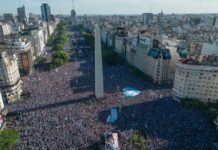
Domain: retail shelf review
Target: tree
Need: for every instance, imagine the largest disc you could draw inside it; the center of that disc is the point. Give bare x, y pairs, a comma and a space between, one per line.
109, 57
138, 140
8, 138
58, 47
40, 60
57, 62
62, 55
59, 58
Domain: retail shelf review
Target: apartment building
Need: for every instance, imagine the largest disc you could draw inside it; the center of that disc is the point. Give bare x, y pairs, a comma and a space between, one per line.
196, 82
10, 81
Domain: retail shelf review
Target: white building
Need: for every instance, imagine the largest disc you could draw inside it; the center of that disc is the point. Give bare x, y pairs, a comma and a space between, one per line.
10, 82
5, 29
196, 82
209, 49
36, 37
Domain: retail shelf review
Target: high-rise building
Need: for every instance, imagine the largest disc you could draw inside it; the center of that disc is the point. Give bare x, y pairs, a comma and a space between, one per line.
147, 18
10, 81
46, 12
73, 17
22, 15
9, 17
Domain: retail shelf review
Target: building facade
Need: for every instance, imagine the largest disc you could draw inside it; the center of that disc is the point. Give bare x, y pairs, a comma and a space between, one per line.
8, 17
24, 53
5, 29
46, 12
22, 15
147, 18
73, 17
10, 81
36, 36
158, 64
196, 82
154, 62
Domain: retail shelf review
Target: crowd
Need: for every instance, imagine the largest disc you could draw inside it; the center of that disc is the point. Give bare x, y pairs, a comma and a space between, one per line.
62, 112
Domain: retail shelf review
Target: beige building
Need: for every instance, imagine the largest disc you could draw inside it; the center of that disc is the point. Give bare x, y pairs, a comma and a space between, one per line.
10, 82
23, 50
158, 64
196, 82
154, 62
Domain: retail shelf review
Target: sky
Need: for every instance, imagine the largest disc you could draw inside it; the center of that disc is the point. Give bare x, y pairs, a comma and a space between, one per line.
113, 6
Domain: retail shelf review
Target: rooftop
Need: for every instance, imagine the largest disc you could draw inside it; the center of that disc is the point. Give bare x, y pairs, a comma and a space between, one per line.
159, 53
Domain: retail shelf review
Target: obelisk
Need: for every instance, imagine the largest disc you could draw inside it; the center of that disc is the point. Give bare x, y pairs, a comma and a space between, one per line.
1, 103
99, 85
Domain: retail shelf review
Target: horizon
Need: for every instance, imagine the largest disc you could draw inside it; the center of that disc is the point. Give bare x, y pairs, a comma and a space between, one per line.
124, 7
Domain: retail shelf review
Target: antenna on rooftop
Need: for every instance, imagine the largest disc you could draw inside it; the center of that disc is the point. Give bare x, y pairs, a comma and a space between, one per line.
73, 4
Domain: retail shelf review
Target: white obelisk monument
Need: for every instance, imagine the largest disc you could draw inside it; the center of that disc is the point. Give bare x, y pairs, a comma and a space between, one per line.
99, 85
1, 103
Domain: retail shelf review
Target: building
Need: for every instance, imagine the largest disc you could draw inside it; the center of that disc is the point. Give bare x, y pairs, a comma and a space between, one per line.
147, 18
46, 12
121, 41
36, 36
22, 15
137, 52
112, 141
145, 54
196, 82
5, 29
23, 51
158, 64
9, 18
10, 82
73, 17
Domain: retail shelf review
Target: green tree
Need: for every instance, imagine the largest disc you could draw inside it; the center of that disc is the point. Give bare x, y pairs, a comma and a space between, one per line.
62, 55
57, 62
8, 138
40, 59
109, 57
58, 47
138, 140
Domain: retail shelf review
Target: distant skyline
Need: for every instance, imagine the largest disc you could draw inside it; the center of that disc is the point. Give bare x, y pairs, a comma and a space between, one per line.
112, 6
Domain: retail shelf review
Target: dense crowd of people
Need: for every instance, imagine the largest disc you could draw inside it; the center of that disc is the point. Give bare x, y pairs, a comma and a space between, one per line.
62, 112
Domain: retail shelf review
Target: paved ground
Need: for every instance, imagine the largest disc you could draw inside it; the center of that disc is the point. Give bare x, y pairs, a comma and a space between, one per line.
63, 114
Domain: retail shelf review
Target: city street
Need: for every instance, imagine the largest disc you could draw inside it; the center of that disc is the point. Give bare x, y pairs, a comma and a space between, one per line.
62, 112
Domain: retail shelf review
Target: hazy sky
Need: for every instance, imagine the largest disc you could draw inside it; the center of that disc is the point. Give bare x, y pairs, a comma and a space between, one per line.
114, 6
